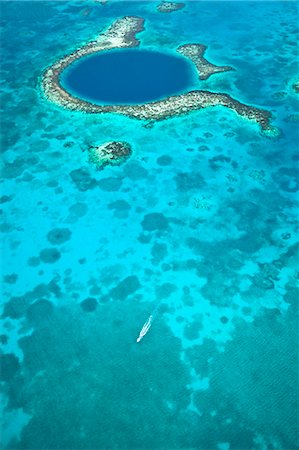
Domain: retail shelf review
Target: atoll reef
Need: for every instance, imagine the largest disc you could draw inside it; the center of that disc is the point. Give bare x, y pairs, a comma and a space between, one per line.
113, 153
121, 34
204, 68
110, 218
168, 7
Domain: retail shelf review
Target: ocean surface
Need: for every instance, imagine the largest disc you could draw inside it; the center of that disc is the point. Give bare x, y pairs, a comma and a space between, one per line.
199, 226
129, 76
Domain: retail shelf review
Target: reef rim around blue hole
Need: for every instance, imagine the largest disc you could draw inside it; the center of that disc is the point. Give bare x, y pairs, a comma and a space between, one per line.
131, 76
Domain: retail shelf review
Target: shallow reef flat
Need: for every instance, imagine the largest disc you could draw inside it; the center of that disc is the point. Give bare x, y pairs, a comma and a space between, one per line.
122, 34
195, 53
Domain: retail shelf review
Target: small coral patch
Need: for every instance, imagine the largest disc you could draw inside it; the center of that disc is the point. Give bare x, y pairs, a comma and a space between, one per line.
89, 304
59, 236
168, 7
113, 153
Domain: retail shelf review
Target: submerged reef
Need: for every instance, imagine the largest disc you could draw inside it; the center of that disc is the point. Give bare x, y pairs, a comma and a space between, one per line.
295, 86
121, 34
168, 7
113, 153
195, 53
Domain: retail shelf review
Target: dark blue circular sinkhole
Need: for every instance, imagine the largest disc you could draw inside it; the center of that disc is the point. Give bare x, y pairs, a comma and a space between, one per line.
127, 76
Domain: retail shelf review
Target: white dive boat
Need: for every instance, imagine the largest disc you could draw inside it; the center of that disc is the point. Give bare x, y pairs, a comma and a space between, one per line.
145, 328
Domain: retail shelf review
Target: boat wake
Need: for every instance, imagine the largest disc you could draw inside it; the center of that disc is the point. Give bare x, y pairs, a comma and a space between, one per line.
145, 328
147, 325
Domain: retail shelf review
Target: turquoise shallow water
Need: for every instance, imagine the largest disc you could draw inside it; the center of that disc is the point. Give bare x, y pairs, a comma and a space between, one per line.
200, 222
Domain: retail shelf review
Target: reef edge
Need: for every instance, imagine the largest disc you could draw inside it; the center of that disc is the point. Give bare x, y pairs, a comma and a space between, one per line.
122, 34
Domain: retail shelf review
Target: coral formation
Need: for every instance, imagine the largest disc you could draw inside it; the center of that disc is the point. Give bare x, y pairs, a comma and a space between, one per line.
295, 85
109, 153
10, 365
39, 312
82, 179
202, 203
154, 221
195, 53
168, 7
89, 304
125, 287
121, 34
110, 184
49, 255
59, 236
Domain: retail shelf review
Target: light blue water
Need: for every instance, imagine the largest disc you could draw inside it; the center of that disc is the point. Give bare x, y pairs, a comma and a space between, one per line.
202, 220
128, 77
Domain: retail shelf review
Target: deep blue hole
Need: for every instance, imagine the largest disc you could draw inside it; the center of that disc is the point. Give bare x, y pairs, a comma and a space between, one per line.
127, 76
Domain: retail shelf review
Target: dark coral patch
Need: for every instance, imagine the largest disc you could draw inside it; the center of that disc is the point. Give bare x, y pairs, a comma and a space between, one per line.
83, 180
180, 319
6, 227
195, 245
16, 307
165, 290
154, 221
262, 281
79, 209
159, 251
120, 205
5, 198
187, 181
11, 279
191, 330
49, 255
126, 287
58, 236
200, 356
224, 319
10, 365
33, 261
3, 339
39, 312
203, 148
287, 178
295, 86
164, 160
135, 171
12, 170
144, 238
89, 304
246, 310
110, 184
219, 161
121, 208
17, 167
